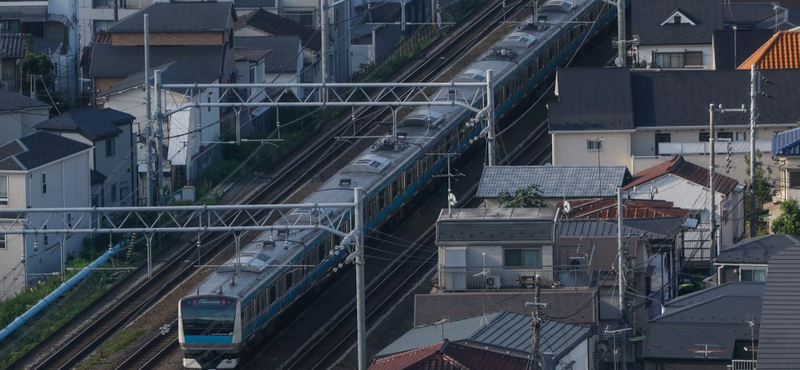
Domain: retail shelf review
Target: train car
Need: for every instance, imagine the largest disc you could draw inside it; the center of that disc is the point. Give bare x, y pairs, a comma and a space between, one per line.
234, 305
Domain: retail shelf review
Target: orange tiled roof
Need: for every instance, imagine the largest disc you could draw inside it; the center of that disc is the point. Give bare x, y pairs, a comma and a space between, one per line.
780, 52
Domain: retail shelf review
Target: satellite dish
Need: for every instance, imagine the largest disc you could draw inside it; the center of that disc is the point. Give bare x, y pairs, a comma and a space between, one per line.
567, 207
451, 198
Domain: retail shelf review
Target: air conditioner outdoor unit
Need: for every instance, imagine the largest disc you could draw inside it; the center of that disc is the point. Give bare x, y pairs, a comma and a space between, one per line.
577, 261
492, 282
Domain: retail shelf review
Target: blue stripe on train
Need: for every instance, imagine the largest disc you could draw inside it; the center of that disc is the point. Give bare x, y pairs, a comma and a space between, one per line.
226, 339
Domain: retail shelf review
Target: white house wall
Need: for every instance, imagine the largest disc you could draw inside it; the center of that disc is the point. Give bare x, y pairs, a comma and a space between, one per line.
578, 357
569, 149
14, 125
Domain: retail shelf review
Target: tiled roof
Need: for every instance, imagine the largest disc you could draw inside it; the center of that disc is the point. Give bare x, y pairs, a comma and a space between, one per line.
276, 25
92, 123
668, 98
684, 169
715, 316
178, 17
746, 43
178, 72
251, 54
781, 51
447, 355
554, 181
780, 325
632, 208
37, 149
11, 101
123, 61
757, 250
286, 51
12, 45
786, 142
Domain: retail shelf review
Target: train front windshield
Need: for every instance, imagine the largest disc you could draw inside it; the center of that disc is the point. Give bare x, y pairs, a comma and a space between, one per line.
208, 316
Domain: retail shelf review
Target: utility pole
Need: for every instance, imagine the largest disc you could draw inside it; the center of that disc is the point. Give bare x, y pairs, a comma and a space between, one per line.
754, 89
360, 291
490, 116
148, 108
323, 21
621, 274
621, 55
159, 141
536, 325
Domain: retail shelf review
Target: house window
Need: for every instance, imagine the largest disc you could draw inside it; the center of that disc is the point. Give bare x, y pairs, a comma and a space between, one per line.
114, 193
741, 136
678, 59
793, 179
704, 136
111, 148
662, 138
305, 18
527, 257
45, 237
753, 274
2, 241
725, 135
44, 183
102, 3
594, 145
3, 190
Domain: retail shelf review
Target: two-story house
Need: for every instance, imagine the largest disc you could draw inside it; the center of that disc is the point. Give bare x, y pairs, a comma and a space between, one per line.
748, 259
41, 170
685, 184
19, 114
638, 118
113, 154
679, 34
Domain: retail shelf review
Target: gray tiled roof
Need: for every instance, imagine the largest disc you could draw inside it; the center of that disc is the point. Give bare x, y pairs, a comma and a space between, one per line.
37, 149
503, 332
747, 42
179, 17
579, 105
757, 250
10, 101
123, 61
554, 181
12, 45
92, 123
671, 98
276, 25
286, 51
779, 341
719, 320
178, 72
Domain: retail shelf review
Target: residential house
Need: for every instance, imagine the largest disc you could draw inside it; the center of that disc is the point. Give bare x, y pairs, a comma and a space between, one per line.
99, 15
113, 155
778, 338
779, 52
262, 23
12, 53
41, 170
446, 355
638, 118
501, 251
747, 260
53, 21
686, 185
713, 329
556, 183
497, 333
19, 114
681, 33
192, 133
199, 50
786, 151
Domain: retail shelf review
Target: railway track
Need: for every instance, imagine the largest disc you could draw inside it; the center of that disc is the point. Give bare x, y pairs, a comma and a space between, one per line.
286, 181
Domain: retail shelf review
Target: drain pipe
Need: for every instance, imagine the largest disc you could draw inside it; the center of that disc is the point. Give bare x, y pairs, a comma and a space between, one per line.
65, 287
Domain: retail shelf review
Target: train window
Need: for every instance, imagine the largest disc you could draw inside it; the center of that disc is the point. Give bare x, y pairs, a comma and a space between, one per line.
273, 294
289, 280
395, 188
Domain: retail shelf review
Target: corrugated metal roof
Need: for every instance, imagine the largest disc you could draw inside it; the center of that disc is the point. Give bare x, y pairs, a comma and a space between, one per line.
554, 181
779, 339
37, 149
717, 317
781, 51
684, 169
632, 208
602, 228
506, 332
757, 250
786, 142
447, 355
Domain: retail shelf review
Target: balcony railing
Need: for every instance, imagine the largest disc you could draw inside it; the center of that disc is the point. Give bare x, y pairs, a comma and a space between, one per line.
721, 147
742, 365
504, 278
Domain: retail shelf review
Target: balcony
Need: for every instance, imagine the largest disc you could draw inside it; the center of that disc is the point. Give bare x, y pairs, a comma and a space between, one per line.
500, 278
742, 365
721, 147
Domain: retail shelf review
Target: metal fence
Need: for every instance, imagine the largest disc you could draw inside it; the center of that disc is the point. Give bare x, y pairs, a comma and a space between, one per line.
509, 278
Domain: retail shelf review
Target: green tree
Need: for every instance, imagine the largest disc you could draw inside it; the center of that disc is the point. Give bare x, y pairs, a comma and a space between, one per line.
523, 197
789, 220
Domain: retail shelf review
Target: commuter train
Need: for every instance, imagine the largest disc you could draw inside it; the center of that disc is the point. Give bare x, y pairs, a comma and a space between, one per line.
229, 309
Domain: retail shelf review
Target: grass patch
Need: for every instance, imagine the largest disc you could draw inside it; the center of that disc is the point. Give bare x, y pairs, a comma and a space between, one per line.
117, 343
